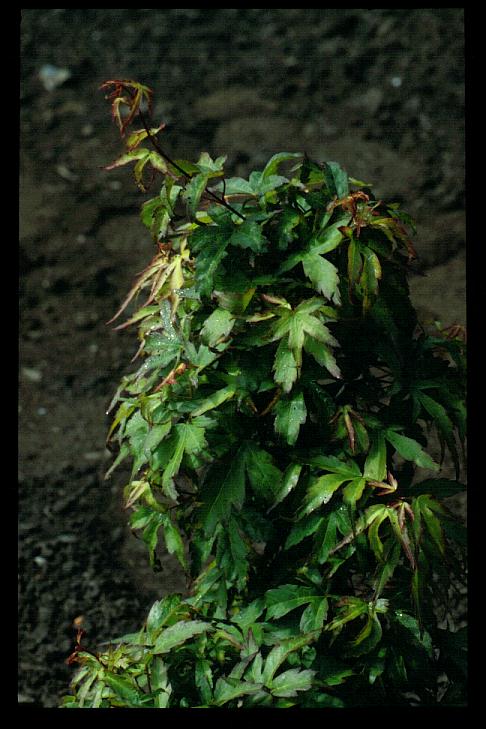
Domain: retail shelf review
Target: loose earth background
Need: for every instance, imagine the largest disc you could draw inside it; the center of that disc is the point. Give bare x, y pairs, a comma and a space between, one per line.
379, 91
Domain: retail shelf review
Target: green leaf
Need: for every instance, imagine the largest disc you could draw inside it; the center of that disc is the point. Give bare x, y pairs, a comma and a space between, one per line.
249, 614
328, 238
355, 263
235, 186
321, 491
235, 301
238, 550
325, 539
443, 423
316, 329
249, 235
173, 541
263, 475
291, 413
386, 569
410, 450
227, 689
412, 626
271, 168
373, 534
314, 615
224, 486
164, 611
324, 276
193, 192
210, 245
369, 278
214, 400
302, 529
150, 534
131, 156
210, 167
125, 689
189, 439
285, 598
124, 452
323, 356
336, 179
375, 464
353, 491
335, 465
288, 482
285, 366
155, 436
217, 326
287, 223
280, 653
434, 528
179, 633
292, 681
204, 679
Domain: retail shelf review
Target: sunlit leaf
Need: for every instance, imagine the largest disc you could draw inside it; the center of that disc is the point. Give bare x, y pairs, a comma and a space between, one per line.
178, 634
410, 450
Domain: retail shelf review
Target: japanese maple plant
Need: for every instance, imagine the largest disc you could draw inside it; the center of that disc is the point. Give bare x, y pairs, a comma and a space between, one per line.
278, 420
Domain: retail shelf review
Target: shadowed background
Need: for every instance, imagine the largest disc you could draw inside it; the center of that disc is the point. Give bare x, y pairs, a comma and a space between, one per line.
379, 91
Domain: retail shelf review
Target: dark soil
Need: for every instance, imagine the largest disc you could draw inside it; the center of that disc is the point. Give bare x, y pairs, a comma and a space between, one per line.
380, 91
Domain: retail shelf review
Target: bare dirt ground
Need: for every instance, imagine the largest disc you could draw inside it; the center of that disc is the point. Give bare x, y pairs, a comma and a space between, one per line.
380, 91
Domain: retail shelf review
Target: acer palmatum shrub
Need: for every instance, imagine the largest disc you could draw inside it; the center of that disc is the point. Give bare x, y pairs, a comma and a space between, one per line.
278, 422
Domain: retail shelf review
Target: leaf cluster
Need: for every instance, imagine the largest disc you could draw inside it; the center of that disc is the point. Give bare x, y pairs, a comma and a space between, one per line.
277, 422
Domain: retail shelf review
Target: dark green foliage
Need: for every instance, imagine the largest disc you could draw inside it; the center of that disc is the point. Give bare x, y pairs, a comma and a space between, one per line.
278, 425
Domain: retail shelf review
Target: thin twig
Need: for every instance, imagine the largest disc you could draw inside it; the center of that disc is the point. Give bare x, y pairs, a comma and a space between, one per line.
160, 151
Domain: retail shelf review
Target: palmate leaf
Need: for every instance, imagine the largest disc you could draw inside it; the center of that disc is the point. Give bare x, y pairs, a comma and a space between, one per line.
320, 492
281, 652
271, 168
303, 528
297, 329
325, 240
179, 633
326, 537
227, 689
337, 179
323, 356
264, 476
387, 567
329, 236
410, 450
249, 235
443, 424
324, 276
218, 325
223, 488
355, 264
210, 246
370, 275
285, 366
289, 481
286, 228
353, 491
375, 464
285, 598
167, 457
193, 192
125, 689
291, 413
292, 681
